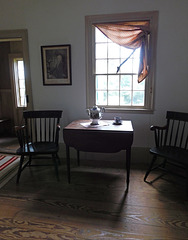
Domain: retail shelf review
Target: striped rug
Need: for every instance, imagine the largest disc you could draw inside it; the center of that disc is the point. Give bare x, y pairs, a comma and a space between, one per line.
8, 167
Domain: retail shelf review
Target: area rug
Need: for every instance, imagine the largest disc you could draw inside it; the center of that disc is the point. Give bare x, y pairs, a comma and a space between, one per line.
8, 167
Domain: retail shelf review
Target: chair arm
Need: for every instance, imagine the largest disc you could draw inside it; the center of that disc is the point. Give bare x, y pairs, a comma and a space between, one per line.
57, 133
153, 128
17, 128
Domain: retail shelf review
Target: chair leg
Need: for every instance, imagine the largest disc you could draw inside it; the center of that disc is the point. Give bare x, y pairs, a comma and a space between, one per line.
186, 180
20, 169
68, 163
55, 160
57, 156
30, 159
150, 167
164, 163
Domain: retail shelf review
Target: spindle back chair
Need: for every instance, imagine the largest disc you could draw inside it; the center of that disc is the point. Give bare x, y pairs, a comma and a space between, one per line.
39, 136
171, 143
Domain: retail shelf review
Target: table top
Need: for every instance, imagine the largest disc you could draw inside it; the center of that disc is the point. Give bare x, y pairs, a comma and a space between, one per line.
104, 125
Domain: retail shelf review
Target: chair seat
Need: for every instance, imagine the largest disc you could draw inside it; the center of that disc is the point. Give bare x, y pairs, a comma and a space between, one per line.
173, 153
38, 148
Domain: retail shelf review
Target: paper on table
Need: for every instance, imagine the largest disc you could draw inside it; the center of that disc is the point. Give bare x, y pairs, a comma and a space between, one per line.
88, 125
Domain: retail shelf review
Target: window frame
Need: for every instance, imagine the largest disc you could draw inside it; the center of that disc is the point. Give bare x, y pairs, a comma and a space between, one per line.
152, 16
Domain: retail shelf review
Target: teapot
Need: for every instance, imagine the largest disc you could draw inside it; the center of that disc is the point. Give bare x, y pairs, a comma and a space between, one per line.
95, 114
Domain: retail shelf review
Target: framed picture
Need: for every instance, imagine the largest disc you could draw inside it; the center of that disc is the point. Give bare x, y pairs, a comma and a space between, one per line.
56, 65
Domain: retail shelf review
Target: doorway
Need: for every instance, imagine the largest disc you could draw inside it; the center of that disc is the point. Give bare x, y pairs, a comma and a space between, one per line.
13, 44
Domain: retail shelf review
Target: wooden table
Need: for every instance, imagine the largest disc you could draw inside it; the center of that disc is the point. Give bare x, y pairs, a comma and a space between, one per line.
103, 138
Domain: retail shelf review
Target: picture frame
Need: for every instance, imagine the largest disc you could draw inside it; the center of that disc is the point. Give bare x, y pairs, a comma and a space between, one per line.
56, 64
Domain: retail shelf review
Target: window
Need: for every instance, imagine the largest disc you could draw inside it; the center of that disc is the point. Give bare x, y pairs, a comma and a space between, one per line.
19, 82
119, 90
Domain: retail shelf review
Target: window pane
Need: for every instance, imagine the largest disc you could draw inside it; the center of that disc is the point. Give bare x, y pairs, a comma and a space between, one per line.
22, 101
20, 70
125, 98
99, 36
22, 83
127, 67
113, 50
22, 92
125, 52
101, 66
126, 82
136, 85
138, 98
101, 97
112, 65
137, 53
101, 50
101, 82
113, 82
113, 98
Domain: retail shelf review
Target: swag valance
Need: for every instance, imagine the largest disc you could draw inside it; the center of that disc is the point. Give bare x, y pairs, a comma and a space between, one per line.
130, 35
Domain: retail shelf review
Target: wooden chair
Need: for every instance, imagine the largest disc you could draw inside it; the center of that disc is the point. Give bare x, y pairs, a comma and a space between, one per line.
39, 136
171, 146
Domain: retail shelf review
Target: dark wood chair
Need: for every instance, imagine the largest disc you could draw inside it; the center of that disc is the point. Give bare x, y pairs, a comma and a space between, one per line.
171, 146
39, 137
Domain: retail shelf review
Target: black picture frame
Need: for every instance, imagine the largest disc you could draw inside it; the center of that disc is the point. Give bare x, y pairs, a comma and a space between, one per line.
56, 64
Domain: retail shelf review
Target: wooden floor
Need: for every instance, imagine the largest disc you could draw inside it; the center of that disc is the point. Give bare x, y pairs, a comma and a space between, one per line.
93, 206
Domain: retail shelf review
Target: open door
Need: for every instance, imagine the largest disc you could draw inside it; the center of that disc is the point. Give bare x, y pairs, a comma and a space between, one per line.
16, 96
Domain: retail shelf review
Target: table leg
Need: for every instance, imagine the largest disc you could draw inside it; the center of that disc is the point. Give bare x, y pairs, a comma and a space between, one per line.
68, 162
128, 163
78, 157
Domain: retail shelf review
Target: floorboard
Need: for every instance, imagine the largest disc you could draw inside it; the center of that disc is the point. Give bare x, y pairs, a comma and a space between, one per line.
94, 206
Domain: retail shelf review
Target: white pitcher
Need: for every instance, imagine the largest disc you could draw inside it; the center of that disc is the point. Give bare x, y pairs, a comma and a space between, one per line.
95, 114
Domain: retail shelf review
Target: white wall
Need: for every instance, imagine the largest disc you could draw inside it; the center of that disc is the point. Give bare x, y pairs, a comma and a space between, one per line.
63, 22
